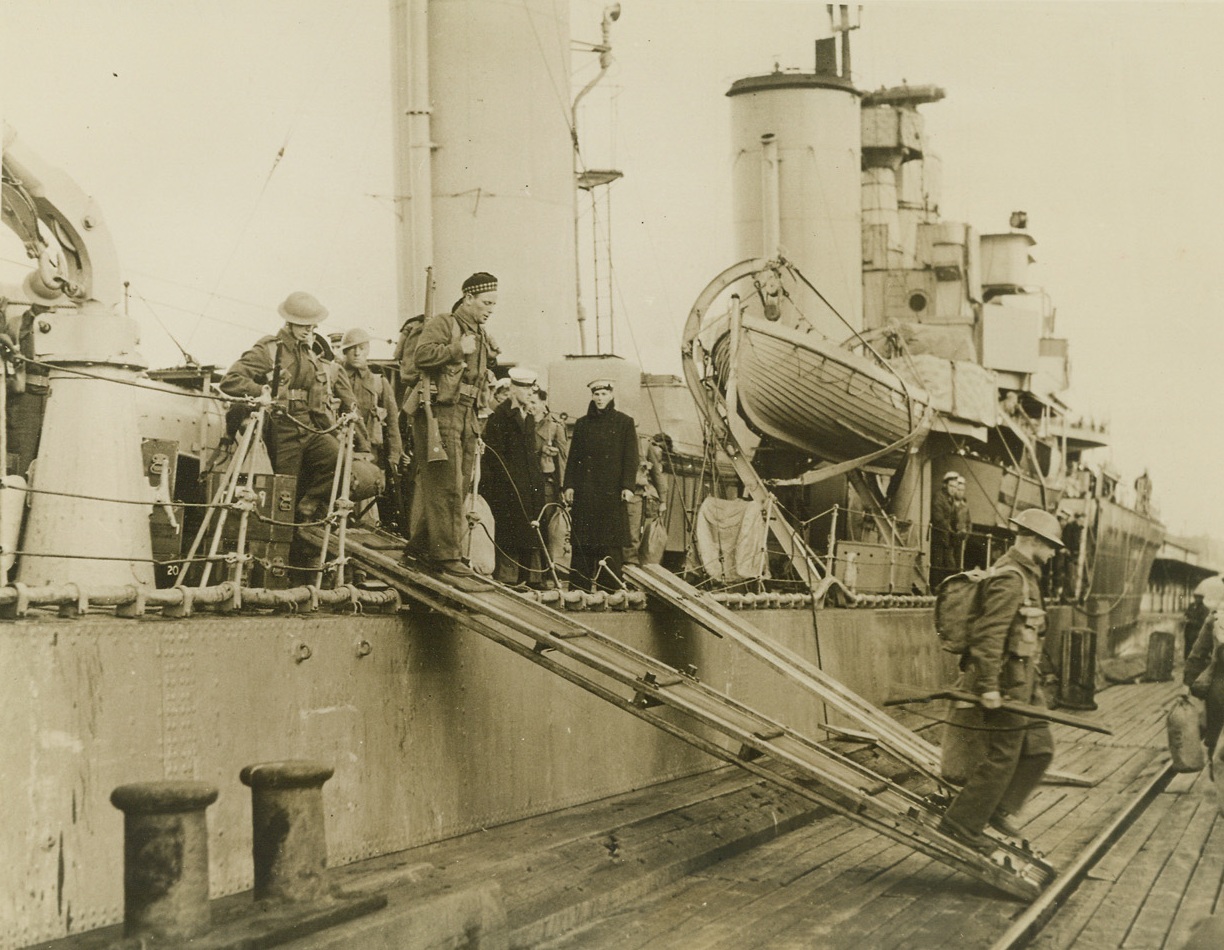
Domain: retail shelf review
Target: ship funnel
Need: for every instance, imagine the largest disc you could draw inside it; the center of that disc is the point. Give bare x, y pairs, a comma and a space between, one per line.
796, 180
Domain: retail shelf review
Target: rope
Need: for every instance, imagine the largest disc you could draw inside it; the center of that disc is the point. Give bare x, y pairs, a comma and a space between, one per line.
132, 560
219, 396
115, 501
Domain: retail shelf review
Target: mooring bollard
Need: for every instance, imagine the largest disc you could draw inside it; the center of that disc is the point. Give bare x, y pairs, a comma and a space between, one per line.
165, 858
289, 845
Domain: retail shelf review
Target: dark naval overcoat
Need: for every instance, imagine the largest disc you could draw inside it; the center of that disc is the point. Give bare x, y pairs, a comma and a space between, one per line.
510, 476
603, 461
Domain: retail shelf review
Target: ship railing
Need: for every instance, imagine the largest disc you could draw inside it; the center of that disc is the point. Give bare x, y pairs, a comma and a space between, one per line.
870, 552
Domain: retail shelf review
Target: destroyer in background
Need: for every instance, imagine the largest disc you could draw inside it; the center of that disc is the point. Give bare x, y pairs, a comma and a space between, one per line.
856, 382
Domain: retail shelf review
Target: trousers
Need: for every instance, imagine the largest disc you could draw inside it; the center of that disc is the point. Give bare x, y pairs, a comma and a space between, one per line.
438, 523
585, 569
310, 456
1018, 750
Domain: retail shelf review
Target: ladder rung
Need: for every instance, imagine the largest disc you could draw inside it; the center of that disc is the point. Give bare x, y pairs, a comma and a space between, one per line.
650, 679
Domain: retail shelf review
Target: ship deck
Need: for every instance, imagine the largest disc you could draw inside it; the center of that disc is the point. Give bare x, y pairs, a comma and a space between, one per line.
721, 860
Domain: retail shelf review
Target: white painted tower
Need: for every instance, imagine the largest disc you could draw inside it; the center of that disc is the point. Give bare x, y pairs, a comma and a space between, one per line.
796, 183
483, 163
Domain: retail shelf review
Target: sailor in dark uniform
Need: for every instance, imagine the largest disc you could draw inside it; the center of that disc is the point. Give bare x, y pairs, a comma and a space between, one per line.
599, 482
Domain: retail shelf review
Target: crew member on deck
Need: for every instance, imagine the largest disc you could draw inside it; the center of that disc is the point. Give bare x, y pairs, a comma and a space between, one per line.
949, 527
599, 482
297, 438
512, 481
552, 445
377, 408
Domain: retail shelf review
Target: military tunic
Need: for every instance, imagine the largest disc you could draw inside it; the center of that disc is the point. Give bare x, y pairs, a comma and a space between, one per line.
457, 384
304, 394
379, 413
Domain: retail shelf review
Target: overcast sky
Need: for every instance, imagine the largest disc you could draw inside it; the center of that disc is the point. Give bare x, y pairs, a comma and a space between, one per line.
1101, 120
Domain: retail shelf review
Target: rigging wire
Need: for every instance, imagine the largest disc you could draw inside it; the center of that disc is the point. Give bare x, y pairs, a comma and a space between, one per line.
562, 96
191, 360
317, 79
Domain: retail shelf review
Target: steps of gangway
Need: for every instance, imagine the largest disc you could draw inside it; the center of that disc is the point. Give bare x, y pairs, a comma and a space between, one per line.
681, 705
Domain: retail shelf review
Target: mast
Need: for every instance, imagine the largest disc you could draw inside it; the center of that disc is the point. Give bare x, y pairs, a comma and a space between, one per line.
413, 149
484, 163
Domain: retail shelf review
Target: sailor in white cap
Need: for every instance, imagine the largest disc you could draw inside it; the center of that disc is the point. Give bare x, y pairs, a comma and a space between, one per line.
301, 395
949, 527
599, 483
499, 392
512, 481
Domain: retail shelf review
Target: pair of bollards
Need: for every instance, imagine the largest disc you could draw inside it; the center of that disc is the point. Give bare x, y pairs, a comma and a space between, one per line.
165, 846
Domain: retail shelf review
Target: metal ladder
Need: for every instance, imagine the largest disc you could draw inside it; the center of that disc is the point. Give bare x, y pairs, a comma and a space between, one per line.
647, 688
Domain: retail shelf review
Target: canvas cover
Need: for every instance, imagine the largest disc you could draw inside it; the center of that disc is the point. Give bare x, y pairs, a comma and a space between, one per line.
957, 387
731, 539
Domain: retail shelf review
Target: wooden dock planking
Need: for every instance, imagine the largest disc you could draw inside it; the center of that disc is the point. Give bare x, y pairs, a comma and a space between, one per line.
701, 901
1062, 932
809, 897
1111, 923
1201, 897
1161, 903
775, 897
1088, 814
615, 857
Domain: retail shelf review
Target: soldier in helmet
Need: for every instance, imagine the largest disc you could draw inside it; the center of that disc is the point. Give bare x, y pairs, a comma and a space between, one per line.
377, 406
297, 440
1001, 662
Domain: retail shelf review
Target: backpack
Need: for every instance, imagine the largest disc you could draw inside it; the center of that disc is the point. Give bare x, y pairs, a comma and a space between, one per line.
405, 351
957, 607
406, 347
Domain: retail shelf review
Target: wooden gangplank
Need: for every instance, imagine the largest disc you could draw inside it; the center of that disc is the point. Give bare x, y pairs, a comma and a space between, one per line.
714, 617
678, 703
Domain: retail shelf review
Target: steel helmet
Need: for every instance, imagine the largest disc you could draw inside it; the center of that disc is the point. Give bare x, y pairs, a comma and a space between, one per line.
1211, 589
354, 337
302, 309
1041, 523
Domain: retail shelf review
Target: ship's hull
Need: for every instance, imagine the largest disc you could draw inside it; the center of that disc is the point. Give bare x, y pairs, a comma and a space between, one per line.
433, 731
1118, 562
819, 397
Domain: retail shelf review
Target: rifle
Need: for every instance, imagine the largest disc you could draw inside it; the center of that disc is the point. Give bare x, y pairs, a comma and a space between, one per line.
276, 368
434, 452
1022, 709
394, 496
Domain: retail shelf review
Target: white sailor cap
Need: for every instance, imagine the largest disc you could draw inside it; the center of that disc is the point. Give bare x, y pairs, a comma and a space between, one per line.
523, 377
601, 383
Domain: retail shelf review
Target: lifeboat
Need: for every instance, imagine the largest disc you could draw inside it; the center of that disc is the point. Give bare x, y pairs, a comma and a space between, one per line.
796, 385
